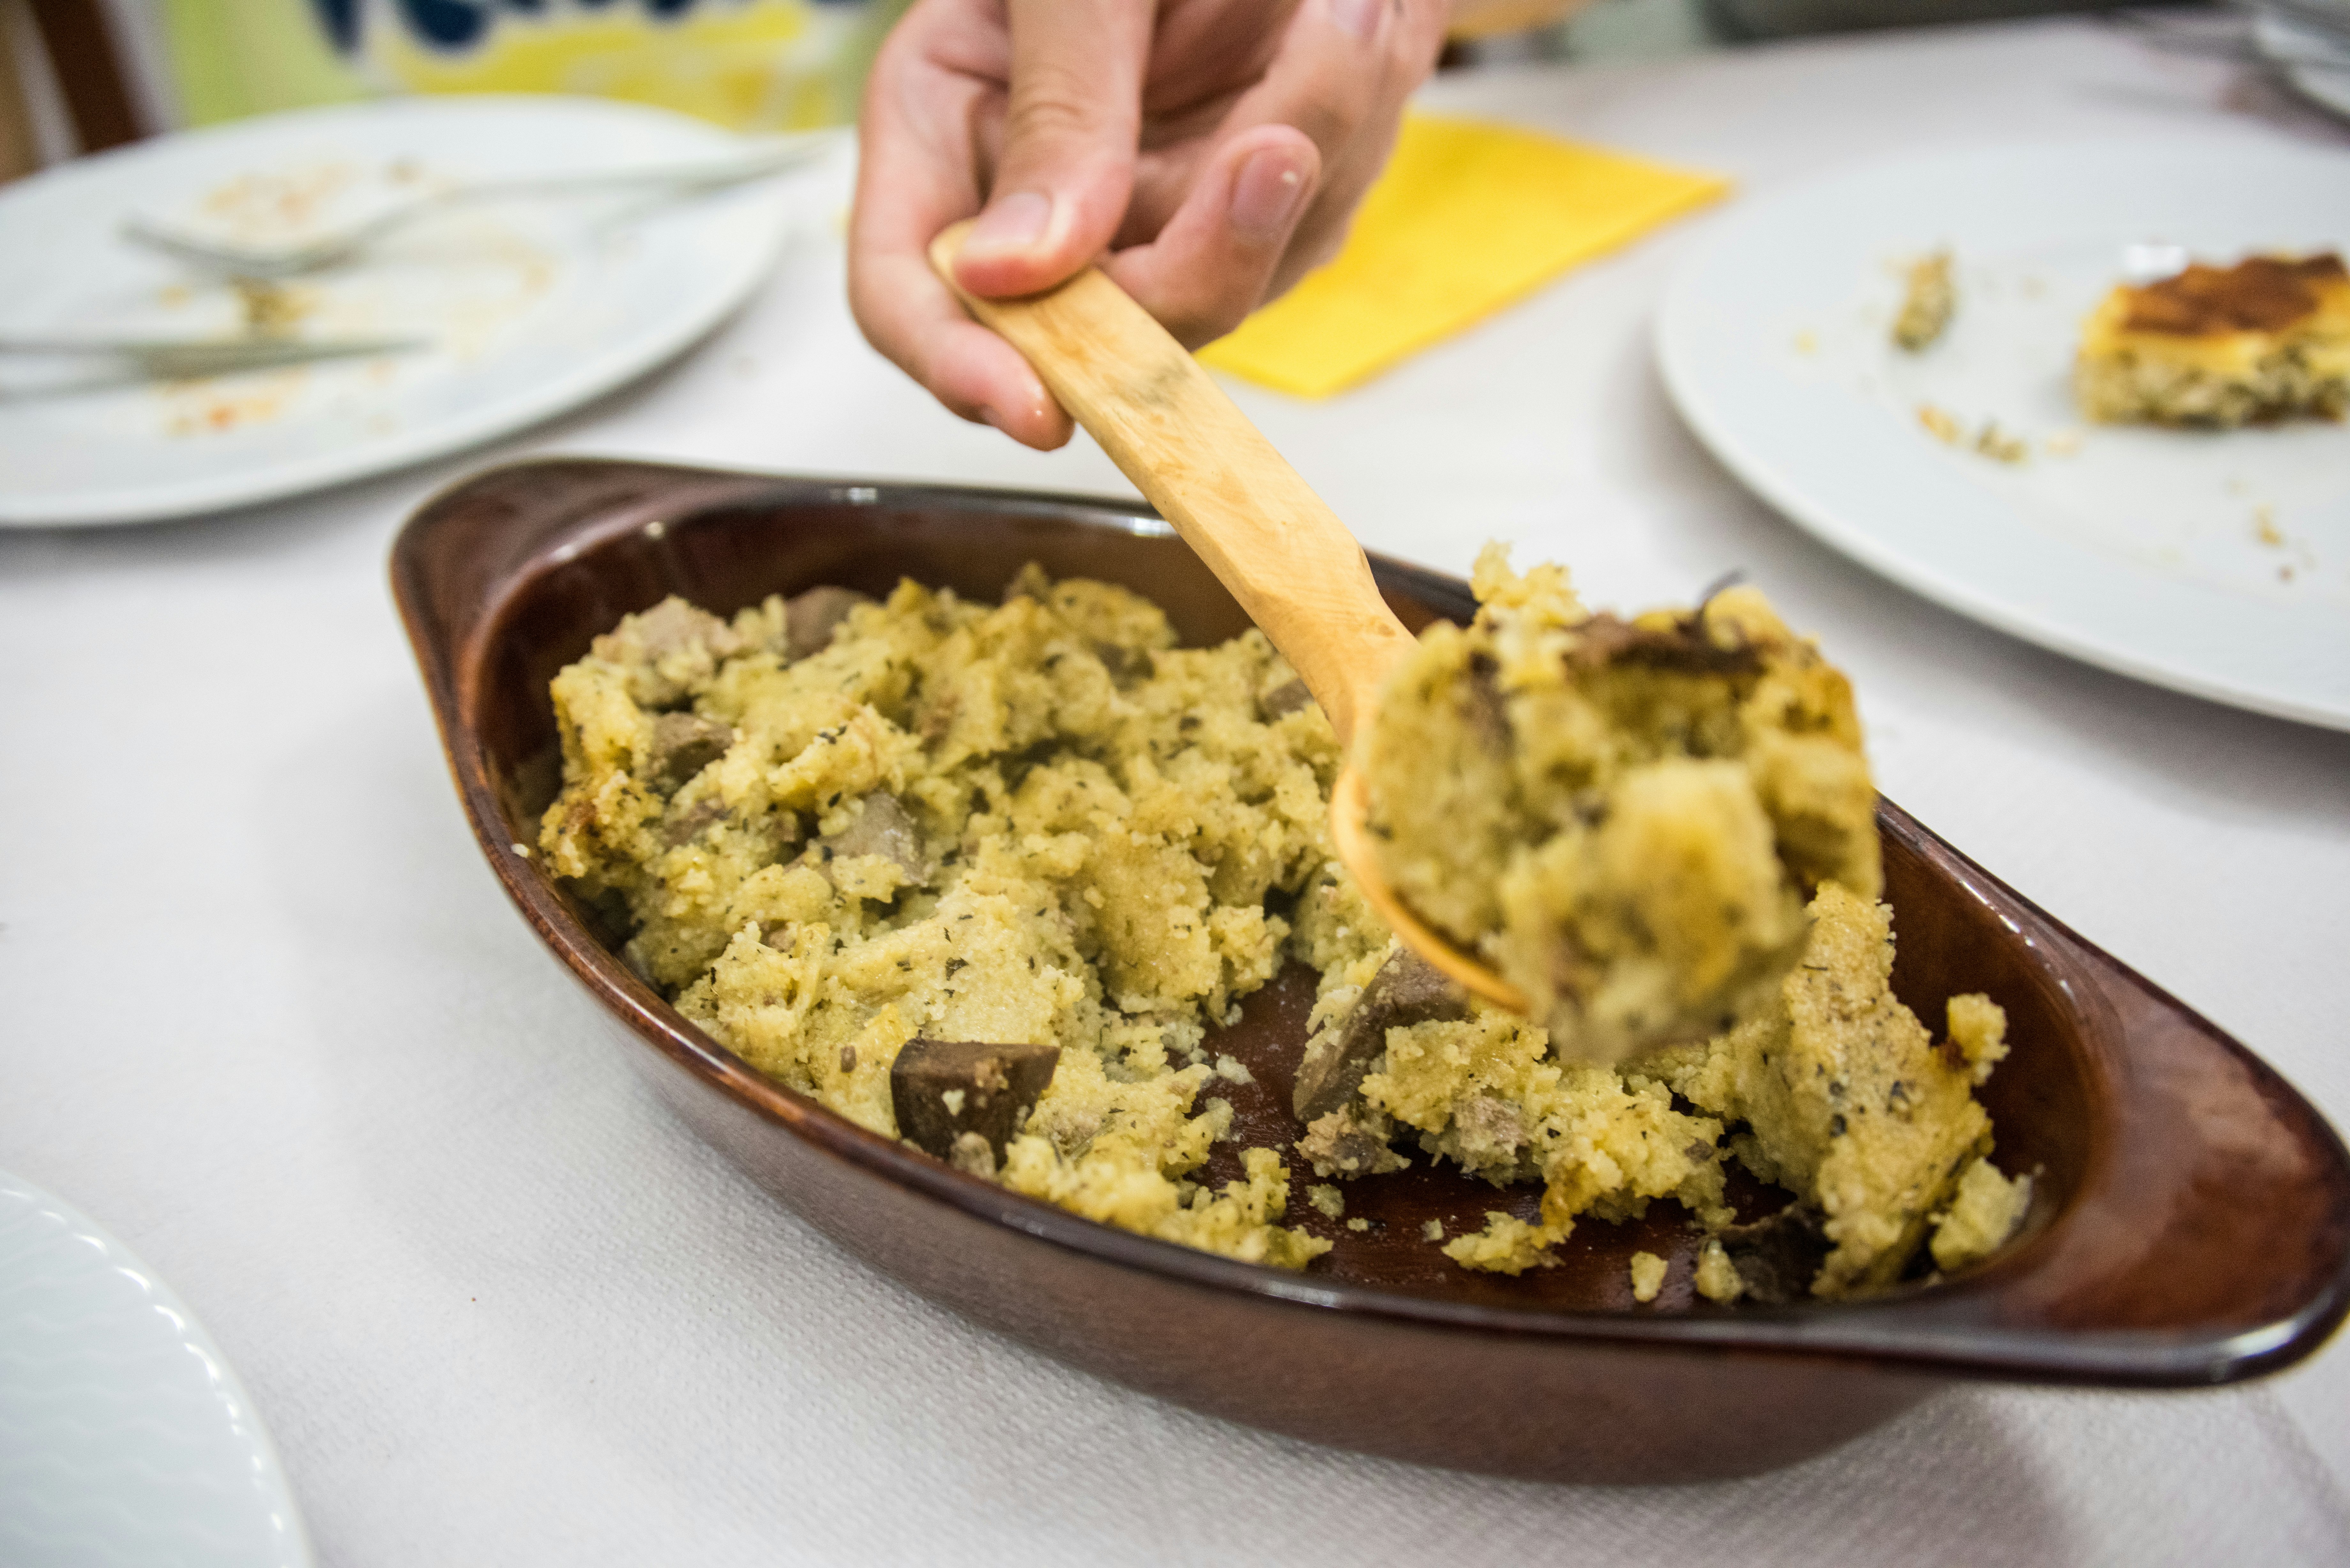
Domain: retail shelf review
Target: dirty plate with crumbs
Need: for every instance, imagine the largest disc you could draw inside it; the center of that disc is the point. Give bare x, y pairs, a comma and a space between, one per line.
529, 308
1958, 461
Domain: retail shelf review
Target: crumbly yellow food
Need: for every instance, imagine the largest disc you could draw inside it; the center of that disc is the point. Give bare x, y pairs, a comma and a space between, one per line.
1717, 1276
1648, 1276
1985, 1210
1929, 299
2268, 338
1623, 818
1991, 441
1039, 823
1847, 1100
1836, 1093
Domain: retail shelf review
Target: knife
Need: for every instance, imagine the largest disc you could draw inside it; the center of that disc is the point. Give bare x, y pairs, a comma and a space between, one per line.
168, 359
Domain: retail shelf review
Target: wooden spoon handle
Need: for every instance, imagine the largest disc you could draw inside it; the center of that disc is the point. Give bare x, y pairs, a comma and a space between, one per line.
1170, 428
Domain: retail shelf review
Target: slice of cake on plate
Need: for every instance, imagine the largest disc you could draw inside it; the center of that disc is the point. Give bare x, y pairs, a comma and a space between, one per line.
2266, 339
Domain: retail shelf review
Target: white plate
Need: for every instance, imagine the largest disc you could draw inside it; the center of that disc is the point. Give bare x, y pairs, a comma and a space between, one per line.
2316, 61
2213, 562
124, 1435
532, 307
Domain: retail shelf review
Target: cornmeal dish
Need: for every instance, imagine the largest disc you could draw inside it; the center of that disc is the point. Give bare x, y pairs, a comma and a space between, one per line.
1624, 817
989, 878
2268, 338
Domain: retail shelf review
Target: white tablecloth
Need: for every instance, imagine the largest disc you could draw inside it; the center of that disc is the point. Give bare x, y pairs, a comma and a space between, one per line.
267, 1015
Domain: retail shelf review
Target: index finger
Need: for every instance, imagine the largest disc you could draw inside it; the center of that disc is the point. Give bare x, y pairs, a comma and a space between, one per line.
917, 173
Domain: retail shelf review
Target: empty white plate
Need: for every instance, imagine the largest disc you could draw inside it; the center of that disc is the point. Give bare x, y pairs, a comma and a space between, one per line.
532, 306
2211, 562
125, 1438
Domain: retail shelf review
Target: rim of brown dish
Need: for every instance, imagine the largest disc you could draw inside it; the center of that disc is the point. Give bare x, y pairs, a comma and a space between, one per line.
2044, 1310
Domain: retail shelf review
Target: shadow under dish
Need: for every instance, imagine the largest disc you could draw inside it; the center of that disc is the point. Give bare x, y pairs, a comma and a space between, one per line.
2190, 1213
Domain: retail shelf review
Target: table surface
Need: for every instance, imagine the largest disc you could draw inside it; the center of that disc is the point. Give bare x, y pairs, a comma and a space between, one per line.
270, 1019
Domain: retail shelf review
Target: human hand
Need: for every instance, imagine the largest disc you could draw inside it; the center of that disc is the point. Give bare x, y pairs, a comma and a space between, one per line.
1215, 149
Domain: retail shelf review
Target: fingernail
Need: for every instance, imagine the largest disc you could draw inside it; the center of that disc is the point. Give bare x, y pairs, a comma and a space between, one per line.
1013, 223
1265, 195
1360, 17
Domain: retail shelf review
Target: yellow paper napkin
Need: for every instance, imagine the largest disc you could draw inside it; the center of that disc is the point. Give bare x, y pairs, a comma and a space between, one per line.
1466, 218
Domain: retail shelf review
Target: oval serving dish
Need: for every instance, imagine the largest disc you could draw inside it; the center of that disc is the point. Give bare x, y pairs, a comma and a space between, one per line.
2190, 1220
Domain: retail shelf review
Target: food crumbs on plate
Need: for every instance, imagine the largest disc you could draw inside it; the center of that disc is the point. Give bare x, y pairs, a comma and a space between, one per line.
988, 876
521, 849
1994, 444
1807, 342
203, 408
1232, 1070
1929, 299
267, 206
1989, 442
1648, 1276
1717, 1276
2264, 526
2062, 443
271, 309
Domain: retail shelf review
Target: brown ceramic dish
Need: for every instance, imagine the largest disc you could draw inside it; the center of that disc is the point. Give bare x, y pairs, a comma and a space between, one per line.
2190, 1223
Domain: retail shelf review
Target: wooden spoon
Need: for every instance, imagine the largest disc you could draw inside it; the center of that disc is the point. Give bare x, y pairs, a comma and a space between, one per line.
1283, 553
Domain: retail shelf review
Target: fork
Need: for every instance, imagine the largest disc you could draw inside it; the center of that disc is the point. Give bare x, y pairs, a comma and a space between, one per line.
325, 250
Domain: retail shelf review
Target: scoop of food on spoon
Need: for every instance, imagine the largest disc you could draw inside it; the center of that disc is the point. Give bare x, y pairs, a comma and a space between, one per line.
1283, 553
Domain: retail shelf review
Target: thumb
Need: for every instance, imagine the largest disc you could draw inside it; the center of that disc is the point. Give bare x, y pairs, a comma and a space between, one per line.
1069, 133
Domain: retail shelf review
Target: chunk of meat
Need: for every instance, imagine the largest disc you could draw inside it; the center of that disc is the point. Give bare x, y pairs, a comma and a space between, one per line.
810, 618
1489, 1126
883, 828
670, 626
1685, 647
947, 1091
684, 745
668, 653
1407, 990
1340, 1145
1127, 667
1290, 697
686, 825
1778, 1256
